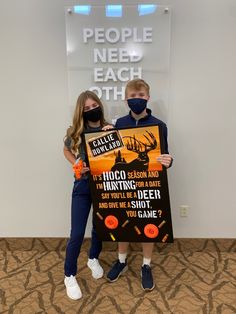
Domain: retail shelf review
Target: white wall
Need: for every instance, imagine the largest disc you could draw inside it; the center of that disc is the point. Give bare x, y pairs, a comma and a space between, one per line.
203, 117
36, 181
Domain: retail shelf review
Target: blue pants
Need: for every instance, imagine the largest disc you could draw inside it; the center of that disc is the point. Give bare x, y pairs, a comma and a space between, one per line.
80, 208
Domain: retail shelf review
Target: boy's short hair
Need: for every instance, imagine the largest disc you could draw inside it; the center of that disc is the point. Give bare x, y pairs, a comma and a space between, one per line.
137, 84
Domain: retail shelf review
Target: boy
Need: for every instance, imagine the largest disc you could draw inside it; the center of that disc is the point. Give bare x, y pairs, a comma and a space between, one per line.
137, 95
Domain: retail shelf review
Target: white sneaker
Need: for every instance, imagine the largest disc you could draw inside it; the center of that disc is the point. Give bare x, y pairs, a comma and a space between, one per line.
97, 270
72, 288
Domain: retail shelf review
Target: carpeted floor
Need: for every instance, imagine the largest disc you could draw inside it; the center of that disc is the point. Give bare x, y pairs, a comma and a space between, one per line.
192, 276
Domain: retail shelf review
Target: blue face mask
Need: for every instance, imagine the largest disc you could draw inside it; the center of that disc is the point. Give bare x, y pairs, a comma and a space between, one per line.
137, 105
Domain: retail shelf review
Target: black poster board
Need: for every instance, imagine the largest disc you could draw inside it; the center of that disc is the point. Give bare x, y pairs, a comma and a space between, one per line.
129, 186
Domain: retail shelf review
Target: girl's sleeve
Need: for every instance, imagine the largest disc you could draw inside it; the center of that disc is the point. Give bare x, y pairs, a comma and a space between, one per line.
67, 143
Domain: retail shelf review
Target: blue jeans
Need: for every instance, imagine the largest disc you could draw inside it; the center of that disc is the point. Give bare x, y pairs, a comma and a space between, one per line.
80, 208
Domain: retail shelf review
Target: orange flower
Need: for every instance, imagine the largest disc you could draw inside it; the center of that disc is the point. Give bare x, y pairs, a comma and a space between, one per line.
77, 168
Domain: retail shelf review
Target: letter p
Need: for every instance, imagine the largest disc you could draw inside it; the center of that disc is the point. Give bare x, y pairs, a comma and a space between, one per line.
87, 33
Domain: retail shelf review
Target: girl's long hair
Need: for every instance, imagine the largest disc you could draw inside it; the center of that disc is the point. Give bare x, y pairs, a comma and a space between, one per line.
78, 125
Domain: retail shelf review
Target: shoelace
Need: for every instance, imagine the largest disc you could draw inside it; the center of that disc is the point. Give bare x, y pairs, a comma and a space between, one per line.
71, 282
94, 262
119, 264
147, 272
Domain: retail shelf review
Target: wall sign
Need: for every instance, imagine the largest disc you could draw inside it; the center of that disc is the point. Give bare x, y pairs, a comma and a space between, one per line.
108, 45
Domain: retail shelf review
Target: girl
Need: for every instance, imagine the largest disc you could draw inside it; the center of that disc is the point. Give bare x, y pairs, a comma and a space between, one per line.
88, 116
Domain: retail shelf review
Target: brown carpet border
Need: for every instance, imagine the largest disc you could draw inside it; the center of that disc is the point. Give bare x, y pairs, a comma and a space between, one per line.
179, 245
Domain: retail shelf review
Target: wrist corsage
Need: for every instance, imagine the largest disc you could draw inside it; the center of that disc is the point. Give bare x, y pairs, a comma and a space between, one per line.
77, 168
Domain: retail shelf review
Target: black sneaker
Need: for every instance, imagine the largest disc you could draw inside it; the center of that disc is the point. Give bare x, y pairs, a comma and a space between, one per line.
117, 269
147, 280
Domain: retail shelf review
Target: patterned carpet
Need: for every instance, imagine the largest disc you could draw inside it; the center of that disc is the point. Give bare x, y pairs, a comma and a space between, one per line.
192, 276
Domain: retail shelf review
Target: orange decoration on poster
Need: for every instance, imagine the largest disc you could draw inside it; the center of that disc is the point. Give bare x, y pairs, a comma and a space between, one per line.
111, 222
151, 231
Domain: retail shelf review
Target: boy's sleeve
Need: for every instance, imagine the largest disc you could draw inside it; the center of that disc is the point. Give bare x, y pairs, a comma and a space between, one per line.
117, 123
165, 134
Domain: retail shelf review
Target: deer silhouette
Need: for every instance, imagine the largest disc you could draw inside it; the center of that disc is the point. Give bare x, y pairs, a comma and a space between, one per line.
142, 149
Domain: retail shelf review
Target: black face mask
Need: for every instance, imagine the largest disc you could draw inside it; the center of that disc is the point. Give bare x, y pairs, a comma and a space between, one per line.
93, 115
137, 105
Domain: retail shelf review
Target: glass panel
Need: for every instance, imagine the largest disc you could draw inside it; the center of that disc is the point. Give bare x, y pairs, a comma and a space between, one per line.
110, 44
